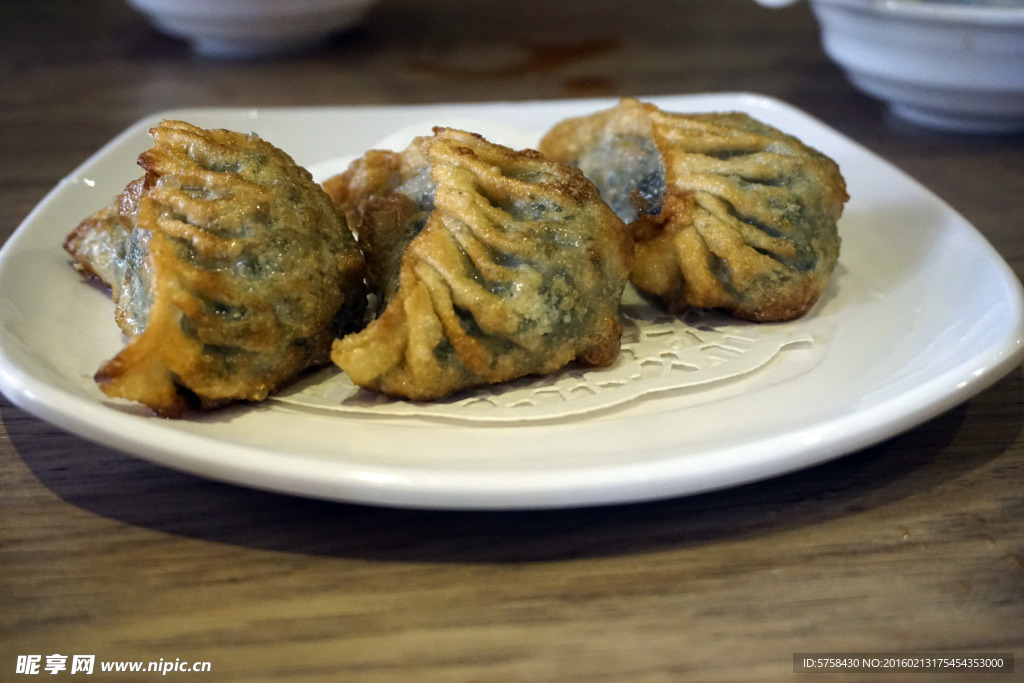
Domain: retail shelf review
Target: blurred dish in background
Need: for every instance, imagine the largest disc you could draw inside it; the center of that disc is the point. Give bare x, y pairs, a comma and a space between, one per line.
955, 65
246, 29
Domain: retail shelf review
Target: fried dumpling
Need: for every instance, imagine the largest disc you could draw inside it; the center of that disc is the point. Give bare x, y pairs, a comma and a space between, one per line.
726, 212
490, 264
231, 269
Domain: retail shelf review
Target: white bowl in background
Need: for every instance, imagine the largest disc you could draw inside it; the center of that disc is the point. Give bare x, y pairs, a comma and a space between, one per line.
251, 28
954, 65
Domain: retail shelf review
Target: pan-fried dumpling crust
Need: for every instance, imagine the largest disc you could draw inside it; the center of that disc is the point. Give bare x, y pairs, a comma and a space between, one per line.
491, 264
726, 212
231, 269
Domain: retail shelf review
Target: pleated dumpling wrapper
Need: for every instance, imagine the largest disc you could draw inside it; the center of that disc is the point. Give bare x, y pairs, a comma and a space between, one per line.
489, 264
231, 269
726, 212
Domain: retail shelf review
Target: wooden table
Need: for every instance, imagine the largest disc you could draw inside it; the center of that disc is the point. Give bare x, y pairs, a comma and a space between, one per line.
914, 545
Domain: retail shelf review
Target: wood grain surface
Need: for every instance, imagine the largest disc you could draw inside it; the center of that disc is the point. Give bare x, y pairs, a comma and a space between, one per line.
915, 545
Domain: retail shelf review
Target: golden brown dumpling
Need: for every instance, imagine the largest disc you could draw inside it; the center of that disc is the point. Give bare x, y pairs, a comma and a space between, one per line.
232, 271
726, 212
491, 264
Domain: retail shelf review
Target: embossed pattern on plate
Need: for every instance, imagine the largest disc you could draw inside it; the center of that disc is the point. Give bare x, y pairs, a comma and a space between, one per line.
660, 353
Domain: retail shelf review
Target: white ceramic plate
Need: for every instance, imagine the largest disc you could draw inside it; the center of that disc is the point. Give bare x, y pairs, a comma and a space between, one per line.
922, 314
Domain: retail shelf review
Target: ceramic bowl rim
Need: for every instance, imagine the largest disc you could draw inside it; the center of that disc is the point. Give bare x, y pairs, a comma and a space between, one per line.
935, 11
